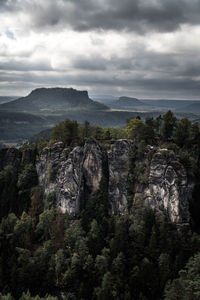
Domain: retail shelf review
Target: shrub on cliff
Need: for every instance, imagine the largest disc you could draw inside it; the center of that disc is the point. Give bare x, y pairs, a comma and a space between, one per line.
65, 131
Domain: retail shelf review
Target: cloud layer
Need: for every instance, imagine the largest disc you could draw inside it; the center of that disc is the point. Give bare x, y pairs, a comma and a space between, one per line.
136, 47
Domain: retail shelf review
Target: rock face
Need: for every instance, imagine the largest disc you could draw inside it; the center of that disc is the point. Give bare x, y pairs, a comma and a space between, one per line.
59, 173
15, 157
120, 163
71, 175
93, 165
168, 189
75, 175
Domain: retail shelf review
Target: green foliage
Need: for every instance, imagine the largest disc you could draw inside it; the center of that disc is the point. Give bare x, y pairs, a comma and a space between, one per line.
182, 134
6, 297
50, 200
36, 206
8, 190
132, 127
114, 133
65, 131
27, 296
188, 162
8, 224
139, 131
71, 131
23, 229
97, 206
97, 132
27, 178
41, 144
140, 173
85, 130
169, 123
195, 135
132, 257
187, 286
45, 224
28, 146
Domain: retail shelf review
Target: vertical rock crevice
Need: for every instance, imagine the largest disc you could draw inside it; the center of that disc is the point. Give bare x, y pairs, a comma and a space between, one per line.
120, 163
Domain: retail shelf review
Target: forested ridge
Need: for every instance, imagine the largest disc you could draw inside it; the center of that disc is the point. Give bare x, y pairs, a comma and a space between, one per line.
139, 255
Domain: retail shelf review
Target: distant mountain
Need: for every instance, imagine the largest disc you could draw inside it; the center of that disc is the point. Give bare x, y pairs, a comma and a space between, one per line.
128, 103
53, 99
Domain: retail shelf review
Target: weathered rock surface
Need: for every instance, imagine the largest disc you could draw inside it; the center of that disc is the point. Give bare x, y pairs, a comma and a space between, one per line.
93, 165
59, 172
120, 163
168, 189
75, 176
76, 173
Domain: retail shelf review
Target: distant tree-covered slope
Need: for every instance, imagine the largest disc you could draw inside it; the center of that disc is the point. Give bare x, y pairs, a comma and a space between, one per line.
5, 99
53, 99
186, 106
193, 108
18, 126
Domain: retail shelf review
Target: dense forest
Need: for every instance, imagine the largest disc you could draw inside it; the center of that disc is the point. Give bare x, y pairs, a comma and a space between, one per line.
47, 254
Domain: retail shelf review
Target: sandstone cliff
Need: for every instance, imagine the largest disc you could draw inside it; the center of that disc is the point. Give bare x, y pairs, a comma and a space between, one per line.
75, 175
158, 179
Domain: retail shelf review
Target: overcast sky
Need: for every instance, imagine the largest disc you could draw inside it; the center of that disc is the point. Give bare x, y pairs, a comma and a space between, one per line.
140, 48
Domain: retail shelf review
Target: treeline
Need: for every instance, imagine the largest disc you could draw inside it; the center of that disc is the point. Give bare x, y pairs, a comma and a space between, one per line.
152, 131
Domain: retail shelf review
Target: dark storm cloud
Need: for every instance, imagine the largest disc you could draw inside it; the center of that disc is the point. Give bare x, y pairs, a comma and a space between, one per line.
9, 5
98, 64
13, 65
141, 60
144, 71
3, 3
92, 64
132, 15
183, 87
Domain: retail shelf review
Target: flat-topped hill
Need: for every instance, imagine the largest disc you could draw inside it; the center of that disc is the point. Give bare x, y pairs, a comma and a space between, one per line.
53, 99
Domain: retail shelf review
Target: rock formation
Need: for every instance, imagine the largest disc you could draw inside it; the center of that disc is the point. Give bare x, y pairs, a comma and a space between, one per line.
76, 175
53, 99
168, 189
15, 157
120, 162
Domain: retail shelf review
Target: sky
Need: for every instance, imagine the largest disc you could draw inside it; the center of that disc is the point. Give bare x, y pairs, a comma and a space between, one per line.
139, 48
